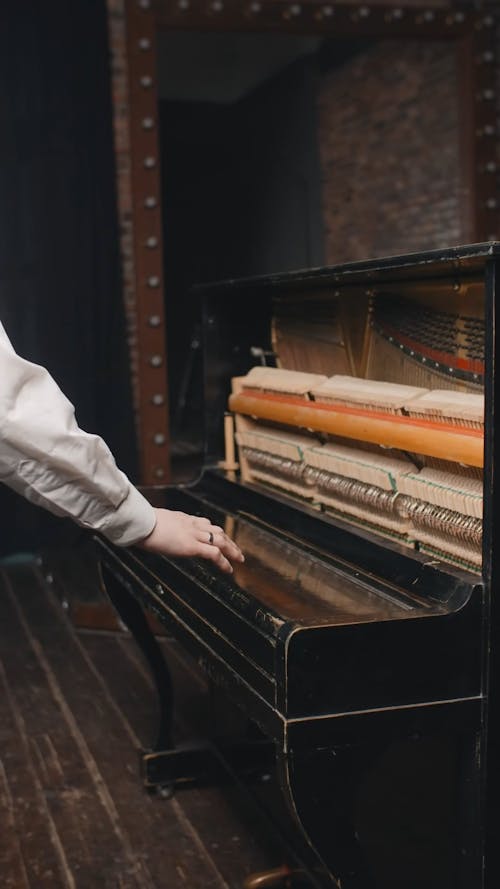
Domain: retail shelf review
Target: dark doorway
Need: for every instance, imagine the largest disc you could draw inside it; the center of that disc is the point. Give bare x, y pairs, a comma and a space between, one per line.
241, 182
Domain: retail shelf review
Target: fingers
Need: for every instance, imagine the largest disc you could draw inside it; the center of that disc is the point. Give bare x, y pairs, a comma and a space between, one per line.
215, 555
217, 547
218, 541
180, 534
201, 522
212, 534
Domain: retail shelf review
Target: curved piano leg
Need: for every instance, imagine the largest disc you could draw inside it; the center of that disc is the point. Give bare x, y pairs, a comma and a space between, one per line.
133, 617
165, 766
318, 796
384, 810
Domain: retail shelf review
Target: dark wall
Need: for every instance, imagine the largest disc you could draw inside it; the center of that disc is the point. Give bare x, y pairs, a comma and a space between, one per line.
241, 196
60, 289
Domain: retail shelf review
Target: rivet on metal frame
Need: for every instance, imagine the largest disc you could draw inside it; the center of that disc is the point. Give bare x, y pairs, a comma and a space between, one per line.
144, 4
292, 11
429, 15
217, 6
153, 281
150, 202
151, 242
146, 81
183, 5
158, 399
149, 162
492, 203
144, 44
154, 320
159, 473
394, 15
156, 360
254, 8
159, 438
147, 123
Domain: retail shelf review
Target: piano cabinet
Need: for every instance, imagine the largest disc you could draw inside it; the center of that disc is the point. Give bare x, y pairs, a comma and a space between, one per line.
364, 663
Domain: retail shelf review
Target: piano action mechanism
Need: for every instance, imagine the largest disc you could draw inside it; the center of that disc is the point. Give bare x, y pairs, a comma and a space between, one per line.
359, 636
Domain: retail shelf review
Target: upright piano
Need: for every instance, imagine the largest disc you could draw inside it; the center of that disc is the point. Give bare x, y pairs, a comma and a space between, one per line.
350, 450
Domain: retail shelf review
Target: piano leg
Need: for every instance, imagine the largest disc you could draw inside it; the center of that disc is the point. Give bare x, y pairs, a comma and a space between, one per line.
394, 804
132, 615
317, 789
167, 766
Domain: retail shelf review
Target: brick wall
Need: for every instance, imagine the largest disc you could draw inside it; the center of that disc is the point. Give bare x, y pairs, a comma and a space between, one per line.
364, 156
384, 192
388, 128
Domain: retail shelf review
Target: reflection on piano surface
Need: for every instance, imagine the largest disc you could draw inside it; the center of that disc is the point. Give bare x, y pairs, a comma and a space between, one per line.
359, 635
312, 590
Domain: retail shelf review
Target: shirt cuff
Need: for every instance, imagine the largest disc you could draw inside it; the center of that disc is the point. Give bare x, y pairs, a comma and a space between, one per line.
134, 520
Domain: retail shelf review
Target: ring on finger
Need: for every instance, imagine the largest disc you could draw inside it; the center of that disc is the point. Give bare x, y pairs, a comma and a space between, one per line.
210, 538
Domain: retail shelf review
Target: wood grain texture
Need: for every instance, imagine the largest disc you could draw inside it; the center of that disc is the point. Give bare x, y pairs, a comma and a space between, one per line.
75, 709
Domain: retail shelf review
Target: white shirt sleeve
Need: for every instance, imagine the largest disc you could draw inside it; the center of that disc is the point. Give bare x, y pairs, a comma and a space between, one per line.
46, 457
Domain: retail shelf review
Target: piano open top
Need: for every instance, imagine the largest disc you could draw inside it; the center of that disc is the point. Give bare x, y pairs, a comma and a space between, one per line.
366, 663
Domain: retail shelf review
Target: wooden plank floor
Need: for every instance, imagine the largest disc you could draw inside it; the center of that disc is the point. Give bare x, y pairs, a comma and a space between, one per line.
76, 705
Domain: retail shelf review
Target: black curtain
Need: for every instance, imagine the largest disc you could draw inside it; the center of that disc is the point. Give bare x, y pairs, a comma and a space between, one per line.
60, 287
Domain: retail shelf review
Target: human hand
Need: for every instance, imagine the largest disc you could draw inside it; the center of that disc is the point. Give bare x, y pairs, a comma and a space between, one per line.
179, 534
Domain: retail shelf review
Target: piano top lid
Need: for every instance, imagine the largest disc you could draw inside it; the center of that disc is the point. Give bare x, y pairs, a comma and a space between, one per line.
462, 261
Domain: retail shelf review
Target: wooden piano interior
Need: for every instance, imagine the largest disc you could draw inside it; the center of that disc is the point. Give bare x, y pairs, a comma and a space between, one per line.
349, 451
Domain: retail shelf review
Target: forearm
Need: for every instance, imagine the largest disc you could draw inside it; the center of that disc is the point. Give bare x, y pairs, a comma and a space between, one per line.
47, 458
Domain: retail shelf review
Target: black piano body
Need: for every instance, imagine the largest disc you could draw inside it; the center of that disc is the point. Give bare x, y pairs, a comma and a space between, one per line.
368, 668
